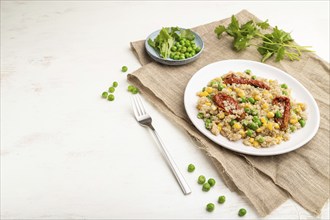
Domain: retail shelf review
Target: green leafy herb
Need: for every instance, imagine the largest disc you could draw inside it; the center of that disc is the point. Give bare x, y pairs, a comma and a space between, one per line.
278, 43
166, 39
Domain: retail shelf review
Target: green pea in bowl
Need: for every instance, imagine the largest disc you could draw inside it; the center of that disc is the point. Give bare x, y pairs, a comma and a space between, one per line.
174, 46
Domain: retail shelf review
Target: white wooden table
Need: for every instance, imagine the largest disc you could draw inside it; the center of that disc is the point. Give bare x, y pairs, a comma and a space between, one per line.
67, 153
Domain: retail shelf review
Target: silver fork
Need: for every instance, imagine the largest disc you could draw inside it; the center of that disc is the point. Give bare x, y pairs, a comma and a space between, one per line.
145, 120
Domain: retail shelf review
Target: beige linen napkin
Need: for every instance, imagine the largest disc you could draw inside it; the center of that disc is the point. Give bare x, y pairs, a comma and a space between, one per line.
267, 182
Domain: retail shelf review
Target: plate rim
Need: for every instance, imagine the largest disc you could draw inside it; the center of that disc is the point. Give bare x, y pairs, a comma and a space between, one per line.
246, 151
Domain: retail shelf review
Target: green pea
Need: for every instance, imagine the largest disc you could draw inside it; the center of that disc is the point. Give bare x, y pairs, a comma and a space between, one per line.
183, 49
243, 100
211, 181
260, 139
104, 95
130, 88
208, 123
251, 100
111, 89
187, 44
174, 48
242, 212
232, 122
135, 90
177, 44
200, 115
115, 84
197, 49
285, 92
189, 49
203, 90
172, 55
221, 199
201, 179
182, 42
193, 46
278, 114
302, 122
176, 57
284, 86
253, 126
124, 69
257, 120
245, 123
221, 87
253, 77
192, 53
292, 128
210, 207
214, 84
249, 133
248, 72
247, 110
206, 187
111, 97
191, 168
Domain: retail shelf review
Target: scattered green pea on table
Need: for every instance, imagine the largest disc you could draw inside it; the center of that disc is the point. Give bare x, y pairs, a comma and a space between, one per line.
124, 69
210, 207
201, 179
206, 187
242, 212
191, 168
211, 181
221, 199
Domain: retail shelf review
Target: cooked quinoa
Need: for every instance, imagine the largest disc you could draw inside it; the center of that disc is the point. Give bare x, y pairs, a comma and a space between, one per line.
249, 112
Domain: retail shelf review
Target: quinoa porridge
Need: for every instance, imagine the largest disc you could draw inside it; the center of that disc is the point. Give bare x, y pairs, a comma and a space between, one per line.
240, 105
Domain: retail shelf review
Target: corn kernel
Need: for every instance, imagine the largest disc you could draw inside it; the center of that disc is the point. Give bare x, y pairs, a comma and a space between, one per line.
259, 130
248, 105
241, 94
265, 92
208, 103
271, 80
257, 97
276, 125
255, 144
237, 126
201, 94
263, 120
293, 120
229, 90
264, 106
251, 140
302, 106
278, 139
298, 109
221, 115
270, 114
242, 133
209, 90
270, 126
219, 127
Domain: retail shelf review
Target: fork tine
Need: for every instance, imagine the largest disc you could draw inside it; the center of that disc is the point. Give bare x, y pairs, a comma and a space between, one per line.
143, 109
135, 109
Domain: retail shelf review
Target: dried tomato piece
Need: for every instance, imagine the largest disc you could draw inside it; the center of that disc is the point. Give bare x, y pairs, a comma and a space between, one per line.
232, 78
227, 104
285, 103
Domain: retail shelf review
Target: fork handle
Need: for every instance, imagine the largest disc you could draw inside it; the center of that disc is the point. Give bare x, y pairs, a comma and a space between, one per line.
179, 177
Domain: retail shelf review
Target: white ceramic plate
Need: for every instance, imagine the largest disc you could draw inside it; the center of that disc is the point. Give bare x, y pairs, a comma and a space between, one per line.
298, 92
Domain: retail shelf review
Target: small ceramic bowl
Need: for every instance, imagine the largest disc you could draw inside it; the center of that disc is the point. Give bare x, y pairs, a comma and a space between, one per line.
155, 55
